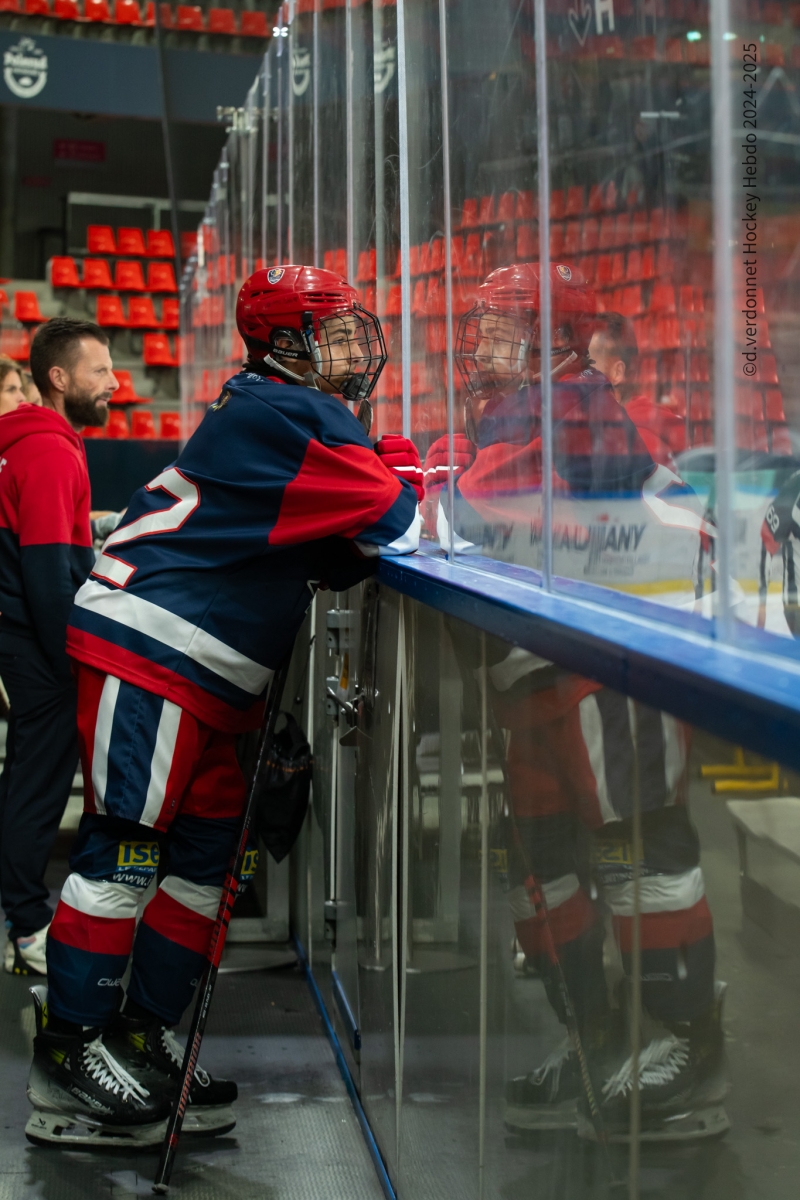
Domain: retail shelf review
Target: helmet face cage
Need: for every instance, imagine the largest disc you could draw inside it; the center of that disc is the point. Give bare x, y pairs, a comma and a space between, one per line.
493, 348
348, 351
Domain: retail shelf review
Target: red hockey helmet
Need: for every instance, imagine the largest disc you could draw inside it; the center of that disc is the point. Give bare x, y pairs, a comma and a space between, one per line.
317, 318
501, 333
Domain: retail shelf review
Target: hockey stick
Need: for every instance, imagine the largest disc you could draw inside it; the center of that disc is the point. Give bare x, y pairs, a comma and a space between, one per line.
218, 936
536, 896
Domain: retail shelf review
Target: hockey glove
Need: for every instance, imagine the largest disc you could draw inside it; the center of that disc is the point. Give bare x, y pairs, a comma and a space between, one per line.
400, 456
437, 460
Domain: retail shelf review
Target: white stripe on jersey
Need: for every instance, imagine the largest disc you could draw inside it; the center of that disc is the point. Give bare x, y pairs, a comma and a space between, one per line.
161, 763
101, 898
657, 893
201, 898
592, 730
102, 740
171, 630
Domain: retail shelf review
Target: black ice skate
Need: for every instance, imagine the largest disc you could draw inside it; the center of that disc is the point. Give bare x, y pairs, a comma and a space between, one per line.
83, 1096
547, 1099
682, 1085
154, 1055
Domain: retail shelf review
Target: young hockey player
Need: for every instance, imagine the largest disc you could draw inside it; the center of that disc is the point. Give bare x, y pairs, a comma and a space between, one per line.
575, 748
194, 602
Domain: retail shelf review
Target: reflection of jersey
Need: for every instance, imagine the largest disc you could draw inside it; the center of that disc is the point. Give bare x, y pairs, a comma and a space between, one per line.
620, 517
780, 534
662, 432
198, 595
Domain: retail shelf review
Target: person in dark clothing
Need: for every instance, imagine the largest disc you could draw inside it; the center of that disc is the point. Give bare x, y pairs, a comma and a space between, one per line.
45, 556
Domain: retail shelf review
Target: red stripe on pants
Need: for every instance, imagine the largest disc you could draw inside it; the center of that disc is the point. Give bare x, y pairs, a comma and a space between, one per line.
178, 923
667, 930
567, 922
99, 935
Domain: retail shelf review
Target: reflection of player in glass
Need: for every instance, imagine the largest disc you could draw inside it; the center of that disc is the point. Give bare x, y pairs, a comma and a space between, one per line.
575, 749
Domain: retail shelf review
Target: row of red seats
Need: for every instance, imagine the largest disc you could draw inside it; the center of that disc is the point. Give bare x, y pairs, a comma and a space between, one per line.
131, 241
564, 202
750, 435
141, 313
142, 425
189, 17
128, 275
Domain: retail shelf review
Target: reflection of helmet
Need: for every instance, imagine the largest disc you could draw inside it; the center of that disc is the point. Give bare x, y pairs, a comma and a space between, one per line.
310, 307
511, 294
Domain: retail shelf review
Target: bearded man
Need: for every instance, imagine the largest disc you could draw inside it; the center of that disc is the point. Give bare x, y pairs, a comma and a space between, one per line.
45, 556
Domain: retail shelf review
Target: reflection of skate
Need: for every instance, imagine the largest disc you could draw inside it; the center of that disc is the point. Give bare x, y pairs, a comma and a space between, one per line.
682, 1085
548, 1097
151, 1052
82, 1096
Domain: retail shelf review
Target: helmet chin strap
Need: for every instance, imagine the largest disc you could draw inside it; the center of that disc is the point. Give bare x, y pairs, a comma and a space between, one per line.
555, 372
307, 380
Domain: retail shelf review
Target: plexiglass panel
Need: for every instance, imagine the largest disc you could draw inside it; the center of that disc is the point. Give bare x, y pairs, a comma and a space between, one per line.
552, 882
639, 440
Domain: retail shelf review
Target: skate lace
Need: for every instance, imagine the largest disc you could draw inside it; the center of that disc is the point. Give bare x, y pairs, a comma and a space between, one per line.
176, 1051
104, 1069
659, 1063
553, 1066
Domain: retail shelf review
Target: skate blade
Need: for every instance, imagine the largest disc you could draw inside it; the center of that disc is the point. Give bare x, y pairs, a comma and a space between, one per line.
541, 1118
207, 1121
691, 1126
69, 1129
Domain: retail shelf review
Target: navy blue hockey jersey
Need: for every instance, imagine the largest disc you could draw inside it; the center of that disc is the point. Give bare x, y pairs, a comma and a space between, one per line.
199, 594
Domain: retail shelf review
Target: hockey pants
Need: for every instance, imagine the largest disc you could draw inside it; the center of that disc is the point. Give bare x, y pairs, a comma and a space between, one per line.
572, 774
156, 780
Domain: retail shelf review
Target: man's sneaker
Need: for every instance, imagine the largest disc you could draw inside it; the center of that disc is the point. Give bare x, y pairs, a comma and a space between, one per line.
26, 955
682, 1084
82, 1095
150, 1050
548, 1097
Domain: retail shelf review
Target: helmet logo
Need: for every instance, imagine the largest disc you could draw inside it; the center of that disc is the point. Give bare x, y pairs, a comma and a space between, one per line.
564, 272
275, 274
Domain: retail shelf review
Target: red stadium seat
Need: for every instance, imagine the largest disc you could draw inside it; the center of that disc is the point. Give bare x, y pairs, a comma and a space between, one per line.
142, 425
526, 206
527, 243
126, 392
587, 266
130, 241
221, 20
117, 426
165, 15
773, 404
100, 240
556, 240
188, 244
590, 234
64, 273
575, 201
603, 271
97, 274
469, 211
618, 267
26, 308
556, 205
110, 313
595, 204
253, 24
190, 17
170, 313
15, 343
126, 12
9, 6
506, 206
169, 425
96, 10
367, 267
781, 441
36, 8
607, 228
486, 213
142, 314
572, 239
66, 10
128, 277
160, 244
413, 261
622, 229
161, 277
157, 351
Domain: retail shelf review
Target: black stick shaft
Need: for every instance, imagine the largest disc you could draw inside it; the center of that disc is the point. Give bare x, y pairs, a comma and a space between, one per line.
218, 936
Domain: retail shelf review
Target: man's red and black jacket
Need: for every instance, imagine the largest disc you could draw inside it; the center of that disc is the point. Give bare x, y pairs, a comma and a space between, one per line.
45, 531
